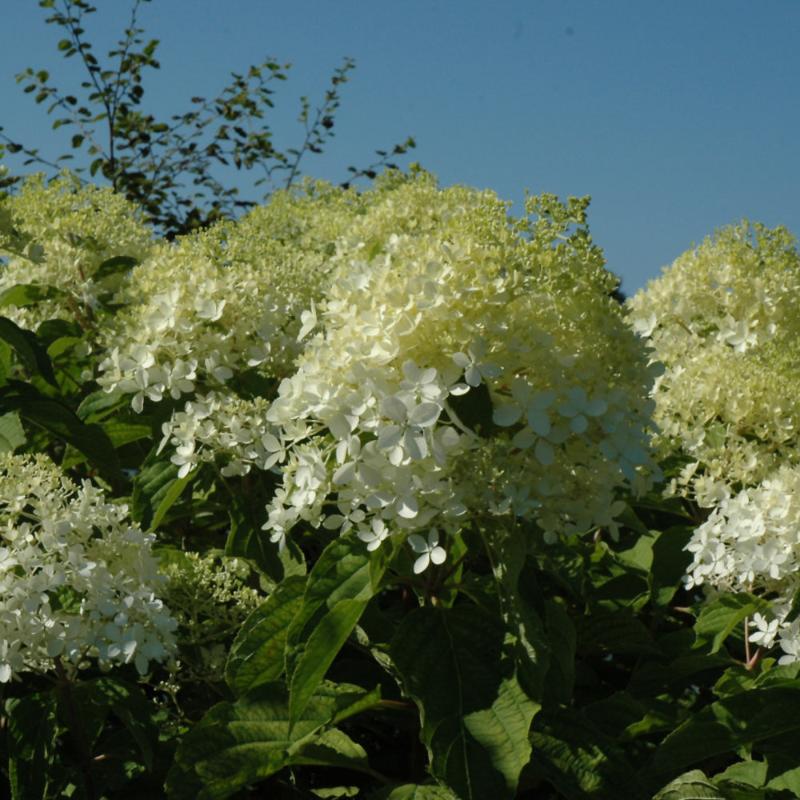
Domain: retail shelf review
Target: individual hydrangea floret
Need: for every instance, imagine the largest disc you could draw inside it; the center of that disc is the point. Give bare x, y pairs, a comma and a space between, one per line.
78, 581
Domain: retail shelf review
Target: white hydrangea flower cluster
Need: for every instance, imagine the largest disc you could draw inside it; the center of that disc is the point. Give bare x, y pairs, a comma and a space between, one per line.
723, 320
56, 235
225, 300
220, 426
441, 306
78, 582
751, 542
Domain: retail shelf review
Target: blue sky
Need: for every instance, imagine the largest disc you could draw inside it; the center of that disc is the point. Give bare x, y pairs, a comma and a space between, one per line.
675, 117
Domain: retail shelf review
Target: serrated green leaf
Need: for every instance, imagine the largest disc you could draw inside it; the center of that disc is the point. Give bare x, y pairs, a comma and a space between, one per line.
257, 653
333, 748
693, 785
321, 648
720, 617
339, 587
726, 725
788, 780
751, 772
475, 717
579, 760
238, 744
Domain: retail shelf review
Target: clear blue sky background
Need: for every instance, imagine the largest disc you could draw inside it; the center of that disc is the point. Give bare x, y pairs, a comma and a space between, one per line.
677, 117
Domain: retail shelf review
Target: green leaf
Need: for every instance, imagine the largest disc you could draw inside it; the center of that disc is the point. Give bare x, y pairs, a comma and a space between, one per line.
170, 496
515, 576
562, 639
693, 785
670, 562
257, 653
750, 772
28, 294
579, 760
155, 490
98, 405
339, 587
321, 648
122, 432
726, 725
52, 329
31, 738
112, 267
61, 422
344, 571
789, 778
63, 345
719, 618
238, 744
12, 434
331, 748
28, 349
619, 631
414, 791
475, 717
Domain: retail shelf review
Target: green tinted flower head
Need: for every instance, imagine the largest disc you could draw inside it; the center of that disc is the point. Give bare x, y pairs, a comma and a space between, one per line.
56, 235
723, 320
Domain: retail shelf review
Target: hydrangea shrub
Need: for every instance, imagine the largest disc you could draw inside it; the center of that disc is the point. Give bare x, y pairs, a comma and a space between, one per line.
384, 494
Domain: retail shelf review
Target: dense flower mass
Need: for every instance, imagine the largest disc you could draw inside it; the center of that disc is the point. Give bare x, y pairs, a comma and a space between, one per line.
723, 320
225, 301
462, 363
56, 236
751, 542
78, 582
220, 426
